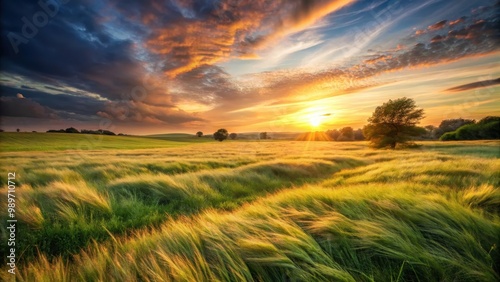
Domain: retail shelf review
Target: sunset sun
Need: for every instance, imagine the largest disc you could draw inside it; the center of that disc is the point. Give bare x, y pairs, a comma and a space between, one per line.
315, 120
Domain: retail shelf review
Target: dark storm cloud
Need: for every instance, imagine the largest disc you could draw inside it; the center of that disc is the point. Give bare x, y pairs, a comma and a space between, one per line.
78, 104
75, 53
475, 85
73, 49
142, 112
24, 107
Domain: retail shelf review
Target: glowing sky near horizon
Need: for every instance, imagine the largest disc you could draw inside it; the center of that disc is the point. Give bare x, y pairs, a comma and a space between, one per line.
283, 65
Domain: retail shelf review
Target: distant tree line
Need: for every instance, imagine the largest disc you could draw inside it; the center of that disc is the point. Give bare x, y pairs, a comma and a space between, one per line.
84, 131
486, 128
346, 134
263, 135
395, 123
220, 135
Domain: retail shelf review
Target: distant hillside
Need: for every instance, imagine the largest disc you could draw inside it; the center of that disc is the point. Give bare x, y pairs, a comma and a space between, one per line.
314, 136
171, 135
270, 135
186, 137
22, 141
180, 137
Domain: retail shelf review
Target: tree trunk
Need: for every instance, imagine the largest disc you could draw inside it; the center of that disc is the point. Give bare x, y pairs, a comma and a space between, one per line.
393, 145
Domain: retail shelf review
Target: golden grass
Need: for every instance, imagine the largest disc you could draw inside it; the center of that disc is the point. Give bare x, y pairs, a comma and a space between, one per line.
261, 211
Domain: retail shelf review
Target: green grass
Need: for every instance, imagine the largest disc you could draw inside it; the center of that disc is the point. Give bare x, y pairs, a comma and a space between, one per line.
259, 211
21, 141
181, 137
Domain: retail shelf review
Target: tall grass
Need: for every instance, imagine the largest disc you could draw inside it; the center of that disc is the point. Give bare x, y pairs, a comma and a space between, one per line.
306, 234
251, 211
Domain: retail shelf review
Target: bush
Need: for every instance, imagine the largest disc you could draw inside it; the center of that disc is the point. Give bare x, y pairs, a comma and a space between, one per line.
489, 119
448, 136
490, 130
450, 125
468, 132
487, 128
72, 130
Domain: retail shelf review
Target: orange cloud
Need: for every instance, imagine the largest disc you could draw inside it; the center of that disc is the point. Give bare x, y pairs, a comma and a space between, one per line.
234, 28
381, 58
438, 25
455, 22
420, 32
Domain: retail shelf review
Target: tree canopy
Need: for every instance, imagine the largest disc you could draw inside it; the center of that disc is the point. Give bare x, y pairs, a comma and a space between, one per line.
449, 125
486, 128
221, 135
394, 123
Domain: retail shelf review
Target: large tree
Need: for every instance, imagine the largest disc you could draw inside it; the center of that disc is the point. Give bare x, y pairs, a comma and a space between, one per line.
221, 135
199, 133
394, 122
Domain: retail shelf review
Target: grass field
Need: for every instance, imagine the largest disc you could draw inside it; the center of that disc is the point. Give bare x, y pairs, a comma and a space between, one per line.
182, 137
253, 211
61, 141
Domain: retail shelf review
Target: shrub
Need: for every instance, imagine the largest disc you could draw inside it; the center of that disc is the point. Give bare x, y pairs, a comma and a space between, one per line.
449, 125
468, 132
490, 130
72, 130
449, 136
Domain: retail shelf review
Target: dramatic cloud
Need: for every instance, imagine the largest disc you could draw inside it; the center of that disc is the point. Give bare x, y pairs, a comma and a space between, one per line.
76, 53
82, 54
474, 85
21, 107
458, 21
228, 28
141, 112
183, 63
478, 37
438, 25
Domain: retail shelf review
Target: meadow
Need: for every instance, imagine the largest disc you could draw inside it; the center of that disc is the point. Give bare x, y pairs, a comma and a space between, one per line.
156, 209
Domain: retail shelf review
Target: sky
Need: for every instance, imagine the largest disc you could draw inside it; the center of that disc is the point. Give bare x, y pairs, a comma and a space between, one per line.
159, 66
